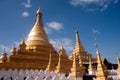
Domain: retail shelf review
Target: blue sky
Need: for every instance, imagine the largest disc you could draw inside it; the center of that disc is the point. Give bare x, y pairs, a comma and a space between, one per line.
92, 18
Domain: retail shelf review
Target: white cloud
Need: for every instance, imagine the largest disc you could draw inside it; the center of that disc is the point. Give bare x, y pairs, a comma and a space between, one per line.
27, 4
55, 25
95, 31
66, 42
93, 4
83, 2
25, 14
47, 30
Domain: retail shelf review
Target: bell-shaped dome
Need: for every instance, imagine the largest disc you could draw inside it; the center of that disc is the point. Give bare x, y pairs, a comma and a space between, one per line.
37, 35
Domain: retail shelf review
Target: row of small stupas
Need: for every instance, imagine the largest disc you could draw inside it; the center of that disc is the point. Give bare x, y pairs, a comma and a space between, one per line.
37, 53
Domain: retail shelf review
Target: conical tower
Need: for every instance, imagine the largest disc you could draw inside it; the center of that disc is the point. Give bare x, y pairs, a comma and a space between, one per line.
37, 35
100, 74
78, 45
76, 70
62, 51
79, 49
13, 50
64, 63
37, 41
34, 52
62, 54
82, 68
59, 65
50, 67
22, 45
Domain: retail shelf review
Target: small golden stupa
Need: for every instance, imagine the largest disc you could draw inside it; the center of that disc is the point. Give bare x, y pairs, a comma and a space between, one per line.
101, 73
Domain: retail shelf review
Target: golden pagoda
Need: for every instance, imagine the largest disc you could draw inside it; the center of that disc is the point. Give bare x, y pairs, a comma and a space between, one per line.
64, 64
76, 69
101, 71
79, 50
34, 52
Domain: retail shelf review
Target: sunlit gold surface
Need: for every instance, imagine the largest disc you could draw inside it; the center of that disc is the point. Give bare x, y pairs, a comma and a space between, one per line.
101, 71
80, 51
118, 61
37, 53
37, 35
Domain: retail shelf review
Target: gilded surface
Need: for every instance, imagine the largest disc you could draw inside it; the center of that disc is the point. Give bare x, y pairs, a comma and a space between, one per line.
37, 53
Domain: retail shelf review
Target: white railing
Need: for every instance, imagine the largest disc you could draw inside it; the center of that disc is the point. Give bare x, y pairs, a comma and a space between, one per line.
115, 77
112, 72
32, 75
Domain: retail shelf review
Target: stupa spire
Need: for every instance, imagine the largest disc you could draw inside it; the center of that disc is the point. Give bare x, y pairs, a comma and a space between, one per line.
50, 66
74, 67
22, 41
58, 68
78, 43
77, 71
13, 50
37, 35
22, 45
62, 50
100, 74
78, 46
38, 15
81, 67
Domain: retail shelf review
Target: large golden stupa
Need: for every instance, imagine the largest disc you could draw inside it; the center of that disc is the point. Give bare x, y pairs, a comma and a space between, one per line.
36, 52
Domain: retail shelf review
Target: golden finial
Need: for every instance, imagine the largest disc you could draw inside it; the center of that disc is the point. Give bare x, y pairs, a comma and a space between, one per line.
38, 11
